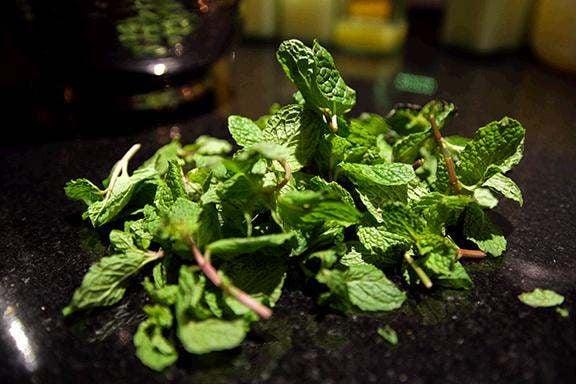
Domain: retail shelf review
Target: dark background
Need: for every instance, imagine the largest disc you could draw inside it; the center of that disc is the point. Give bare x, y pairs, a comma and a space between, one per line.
482, 336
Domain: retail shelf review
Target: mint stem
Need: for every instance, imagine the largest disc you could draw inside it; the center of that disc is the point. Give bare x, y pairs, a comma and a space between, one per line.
447, 157
287, 174
419, 271
471, 253
212, 275
417, 164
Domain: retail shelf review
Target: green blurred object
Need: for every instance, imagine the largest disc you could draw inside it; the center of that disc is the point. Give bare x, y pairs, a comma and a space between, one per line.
486, 26
409, 82
158, 27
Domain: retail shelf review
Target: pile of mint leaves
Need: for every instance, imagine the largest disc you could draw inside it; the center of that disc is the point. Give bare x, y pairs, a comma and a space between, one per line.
210, 230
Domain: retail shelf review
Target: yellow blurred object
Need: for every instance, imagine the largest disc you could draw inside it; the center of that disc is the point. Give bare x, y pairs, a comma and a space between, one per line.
370, 8
554, 33
307, 19
259, 18
370, 36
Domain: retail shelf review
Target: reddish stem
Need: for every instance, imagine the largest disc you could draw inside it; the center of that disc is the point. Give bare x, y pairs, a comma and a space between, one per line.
447, 157
471, 253
212, 275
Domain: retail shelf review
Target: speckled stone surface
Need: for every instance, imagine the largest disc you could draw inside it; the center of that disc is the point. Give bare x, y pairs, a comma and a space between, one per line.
482, 336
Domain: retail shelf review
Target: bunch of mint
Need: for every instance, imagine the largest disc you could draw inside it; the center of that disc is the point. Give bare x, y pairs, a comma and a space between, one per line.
347, 201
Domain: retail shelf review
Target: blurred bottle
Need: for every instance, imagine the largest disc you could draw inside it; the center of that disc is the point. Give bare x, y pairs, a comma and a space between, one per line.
485, 26
259, 18
372, 26
307, 19
554, 33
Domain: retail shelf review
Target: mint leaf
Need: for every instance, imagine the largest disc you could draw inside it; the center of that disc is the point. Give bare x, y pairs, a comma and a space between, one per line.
297, 208
226, 248
505, 186
480, 230
485, 198
364, 286
380, 183
211, 335
83, 190
367, 128
159, 161
244, 131
117, 196
386, 246
439, 110
439, 261
152, 347
399, 219
262, 277
407, 149
315, 74
105, 282
388, 334
296, 128
121, 241
174, 179
493, 148
541, 298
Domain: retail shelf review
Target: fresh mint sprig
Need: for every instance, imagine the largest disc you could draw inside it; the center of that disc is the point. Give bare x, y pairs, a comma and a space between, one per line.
365, 208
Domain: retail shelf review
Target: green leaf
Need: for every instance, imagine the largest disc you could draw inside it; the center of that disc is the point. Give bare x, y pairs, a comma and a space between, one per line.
262, 277
152, 347
159, 291
211, 335
310, 207
485, 198
209, 146
117, 196
365, 287
480, 230
244, 131
226, 248
315, 74
439, 110
191, 287
297, 129
365, 129
399, 219
493, 148
104, 284
541, 298
83, 190
388, 334
406, 119
159, 161
407, 149
174, 179
507, 187
563, 312
271, 151
440, 210
380, 183
121, 241
439, 261
387, 247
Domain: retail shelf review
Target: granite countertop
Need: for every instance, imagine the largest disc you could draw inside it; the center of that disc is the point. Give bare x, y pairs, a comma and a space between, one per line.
485, 335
